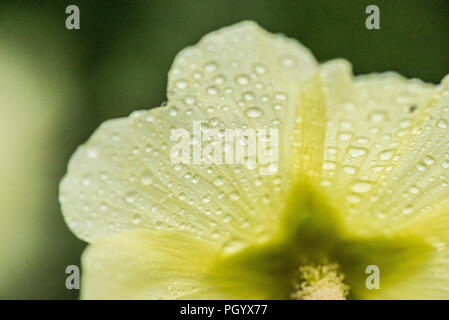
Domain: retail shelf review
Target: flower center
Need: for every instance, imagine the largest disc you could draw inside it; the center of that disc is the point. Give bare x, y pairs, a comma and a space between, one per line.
319, 282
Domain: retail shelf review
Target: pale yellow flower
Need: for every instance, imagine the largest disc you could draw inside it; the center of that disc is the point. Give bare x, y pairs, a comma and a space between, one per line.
361, 180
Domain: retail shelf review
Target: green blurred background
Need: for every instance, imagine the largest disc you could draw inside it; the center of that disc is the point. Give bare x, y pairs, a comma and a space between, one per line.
58, 85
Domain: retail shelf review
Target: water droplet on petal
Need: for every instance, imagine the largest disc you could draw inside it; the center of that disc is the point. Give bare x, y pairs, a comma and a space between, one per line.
361, 187
136, 218
147, 178
234, 196
385, 155
357, 152
131, 197
442, 124
253, 112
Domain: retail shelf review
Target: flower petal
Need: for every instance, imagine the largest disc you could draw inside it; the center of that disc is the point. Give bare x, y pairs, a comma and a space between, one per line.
144, 264
418, 184
373, 121
430, 279
122, 178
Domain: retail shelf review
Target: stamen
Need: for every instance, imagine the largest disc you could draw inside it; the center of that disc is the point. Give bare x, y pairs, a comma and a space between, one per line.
322, 282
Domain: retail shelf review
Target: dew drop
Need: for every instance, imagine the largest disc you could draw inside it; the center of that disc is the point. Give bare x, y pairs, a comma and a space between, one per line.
248, 96
206, 198
136, 218
212, 90
377, 116
385, 155
442, 124
329, 165
287, 62
260, 68
92, 153
211, 67
181, 84
405, 123
242, 80
147, 178
421, 167
189, 100
233, 246
344, 136
357, 152
361, 187
253, 112
219, 181
414, 190
428, 160
408, 209
234, 196
349, 170
280, 96
131, 197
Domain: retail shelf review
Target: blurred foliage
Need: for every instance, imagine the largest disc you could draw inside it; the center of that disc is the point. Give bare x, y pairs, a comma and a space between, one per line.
58, 85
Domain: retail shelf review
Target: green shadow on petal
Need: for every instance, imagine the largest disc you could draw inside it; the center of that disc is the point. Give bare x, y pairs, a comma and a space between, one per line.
312, 233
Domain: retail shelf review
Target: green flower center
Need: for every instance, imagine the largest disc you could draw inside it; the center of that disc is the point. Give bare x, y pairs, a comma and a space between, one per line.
323, 282
314, 255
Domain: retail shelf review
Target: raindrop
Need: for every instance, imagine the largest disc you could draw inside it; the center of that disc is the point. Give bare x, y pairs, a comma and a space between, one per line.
280, 96
233, 246
408, 209
234, 196
248, 96
253, 112
405, 123
210, 67
385, 155
361, 187
181, 84
442, 124
131, 197
212, 90
242, 80
92, 153
414, 190
344, 136
329, 165
421, 167
287, 62
377, 116
219, 181
357, 152
260, 68
429, 160
206, 198
189, 100
349, 170
136, 218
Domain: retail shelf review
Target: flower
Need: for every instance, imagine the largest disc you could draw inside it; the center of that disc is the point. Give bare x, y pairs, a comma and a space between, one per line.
360, 181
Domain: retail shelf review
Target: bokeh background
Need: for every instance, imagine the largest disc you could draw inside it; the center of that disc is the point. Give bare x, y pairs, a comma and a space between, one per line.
58, 85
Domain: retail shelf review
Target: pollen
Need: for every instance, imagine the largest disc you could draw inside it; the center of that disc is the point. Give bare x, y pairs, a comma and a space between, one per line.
319, 282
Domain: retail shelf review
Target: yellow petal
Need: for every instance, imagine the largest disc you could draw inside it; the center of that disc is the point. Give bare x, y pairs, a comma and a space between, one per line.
143, 264
122, 178
372, 122
419, 183
426, 214
429, 279
308, 136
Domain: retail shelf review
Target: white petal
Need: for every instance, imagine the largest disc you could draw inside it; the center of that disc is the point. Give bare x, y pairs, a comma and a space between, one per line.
122, 178
379, 156
144, 264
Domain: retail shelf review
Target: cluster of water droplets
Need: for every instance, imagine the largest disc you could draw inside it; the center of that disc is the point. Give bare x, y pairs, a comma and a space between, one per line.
139, 187
385, 149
